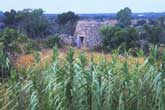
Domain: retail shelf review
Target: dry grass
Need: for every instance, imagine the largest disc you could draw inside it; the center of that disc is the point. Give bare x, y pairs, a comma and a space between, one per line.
27, 61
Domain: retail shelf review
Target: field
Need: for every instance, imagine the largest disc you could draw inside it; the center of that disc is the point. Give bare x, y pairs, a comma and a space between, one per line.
74, 80
27, 61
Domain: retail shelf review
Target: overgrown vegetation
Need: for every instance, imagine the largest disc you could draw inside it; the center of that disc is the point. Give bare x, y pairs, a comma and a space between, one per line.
13, 41
133, 38
4, 65
33, 23
77, 84
67, 22
155, 33
52, 41
113, 37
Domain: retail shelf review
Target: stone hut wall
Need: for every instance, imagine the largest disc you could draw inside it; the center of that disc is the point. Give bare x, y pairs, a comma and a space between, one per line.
90, 31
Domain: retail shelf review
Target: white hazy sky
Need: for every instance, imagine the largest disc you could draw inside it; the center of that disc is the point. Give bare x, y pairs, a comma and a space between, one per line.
85, 6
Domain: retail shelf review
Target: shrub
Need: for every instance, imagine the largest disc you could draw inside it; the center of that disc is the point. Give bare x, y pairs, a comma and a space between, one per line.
10, 37
52, 41
108, 34
30, 46
114, 37
13, 41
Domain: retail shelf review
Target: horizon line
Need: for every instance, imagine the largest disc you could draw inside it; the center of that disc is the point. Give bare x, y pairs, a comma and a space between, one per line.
106, 13
85, 12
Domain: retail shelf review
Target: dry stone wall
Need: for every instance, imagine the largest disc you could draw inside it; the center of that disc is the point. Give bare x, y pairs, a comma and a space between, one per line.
66, 39
90, 32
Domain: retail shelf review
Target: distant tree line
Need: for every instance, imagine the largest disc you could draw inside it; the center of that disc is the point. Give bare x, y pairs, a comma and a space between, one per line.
35, 24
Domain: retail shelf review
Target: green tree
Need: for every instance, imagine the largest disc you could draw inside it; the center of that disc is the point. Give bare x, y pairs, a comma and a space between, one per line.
32, 22
10, 40
124, 17
133, 35
108, 34
67, 22
113, 37
10, 18
156, 31
162, 21
132, 38
120, 37
67, 17
153, 33
53, 40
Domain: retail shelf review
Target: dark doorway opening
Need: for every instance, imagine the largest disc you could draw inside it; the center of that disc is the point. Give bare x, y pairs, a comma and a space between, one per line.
81, 39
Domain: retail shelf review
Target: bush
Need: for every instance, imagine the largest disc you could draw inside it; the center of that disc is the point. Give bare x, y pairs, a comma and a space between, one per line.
13, 41
30, 46
108, 35
10, 37
52, 41
114, 37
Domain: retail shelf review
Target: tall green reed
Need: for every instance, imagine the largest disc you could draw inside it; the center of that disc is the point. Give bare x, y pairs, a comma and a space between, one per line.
81, 84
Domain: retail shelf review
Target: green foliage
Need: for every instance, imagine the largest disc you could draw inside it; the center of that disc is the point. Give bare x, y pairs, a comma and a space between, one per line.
12, 41
10, 38
66, 17
162, 21
55, 54
32, 22
153, 33
10, 18
124, 17
79, 84
67, 22
36, 56
108, 33
115, 37
52, 41
4, 65
30, 46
